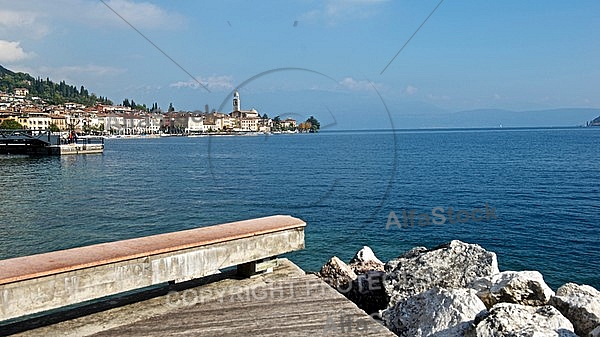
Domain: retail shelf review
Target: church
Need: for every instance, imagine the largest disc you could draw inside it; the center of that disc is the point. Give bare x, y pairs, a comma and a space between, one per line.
249, 120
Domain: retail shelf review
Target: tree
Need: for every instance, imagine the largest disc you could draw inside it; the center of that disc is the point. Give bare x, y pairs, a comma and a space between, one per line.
313, 124
264, 116
54, 128
126, 102
10, 124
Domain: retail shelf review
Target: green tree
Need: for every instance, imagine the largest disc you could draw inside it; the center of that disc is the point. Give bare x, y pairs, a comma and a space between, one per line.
54, 128
10, 124
314, 124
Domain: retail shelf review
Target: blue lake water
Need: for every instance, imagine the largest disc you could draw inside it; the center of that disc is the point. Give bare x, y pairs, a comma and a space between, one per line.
543, 183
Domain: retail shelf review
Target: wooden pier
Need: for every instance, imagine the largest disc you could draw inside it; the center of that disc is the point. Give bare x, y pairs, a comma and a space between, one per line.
286, 302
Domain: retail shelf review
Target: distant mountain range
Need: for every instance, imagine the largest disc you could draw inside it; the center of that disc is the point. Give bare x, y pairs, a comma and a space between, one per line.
507, 118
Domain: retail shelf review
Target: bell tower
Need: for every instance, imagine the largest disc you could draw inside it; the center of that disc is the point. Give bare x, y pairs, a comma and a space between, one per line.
236, 101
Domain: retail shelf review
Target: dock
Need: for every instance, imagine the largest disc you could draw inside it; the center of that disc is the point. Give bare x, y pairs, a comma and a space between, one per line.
44, 142
285, 302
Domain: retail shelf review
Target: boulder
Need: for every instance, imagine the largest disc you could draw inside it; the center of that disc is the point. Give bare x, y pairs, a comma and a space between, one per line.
437, 312
510, 320
337, 274
365, 255
367, 292
365, 260
520, 287
452, 265
581, 305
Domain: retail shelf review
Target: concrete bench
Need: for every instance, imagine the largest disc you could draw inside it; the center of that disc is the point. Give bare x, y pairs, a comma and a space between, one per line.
37, 283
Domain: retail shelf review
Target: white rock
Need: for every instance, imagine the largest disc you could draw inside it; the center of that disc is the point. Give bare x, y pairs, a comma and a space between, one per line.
510, 320
364, 261
437, 312
365, 255
453, 265
520, 287
581, 305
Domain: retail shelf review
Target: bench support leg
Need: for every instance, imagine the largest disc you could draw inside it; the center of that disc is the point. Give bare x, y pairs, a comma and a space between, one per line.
257, 267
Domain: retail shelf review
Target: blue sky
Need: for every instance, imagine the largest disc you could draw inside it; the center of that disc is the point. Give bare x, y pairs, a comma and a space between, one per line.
515, 55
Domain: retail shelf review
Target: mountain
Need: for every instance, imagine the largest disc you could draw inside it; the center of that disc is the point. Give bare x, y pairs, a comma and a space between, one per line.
51, 92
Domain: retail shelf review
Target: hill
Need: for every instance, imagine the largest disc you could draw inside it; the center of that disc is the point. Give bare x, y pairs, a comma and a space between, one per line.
4, 71
51, 92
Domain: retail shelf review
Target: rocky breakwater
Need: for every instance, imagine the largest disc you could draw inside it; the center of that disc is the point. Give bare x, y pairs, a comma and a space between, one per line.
456, 289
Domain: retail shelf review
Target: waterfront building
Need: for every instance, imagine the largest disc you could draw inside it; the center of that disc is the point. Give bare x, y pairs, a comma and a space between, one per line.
195, 123
60, 121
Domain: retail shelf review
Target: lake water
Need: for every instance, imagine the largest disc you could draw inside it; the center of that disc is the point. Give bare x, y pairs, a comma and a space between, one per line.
543, 183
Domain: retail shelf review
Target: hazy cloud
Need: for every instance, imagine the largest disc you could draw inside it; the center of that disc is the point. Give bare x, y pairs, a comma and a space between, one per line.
11, 51
335, 11
411, 90
35, 17
138, 14
358, 85
71, 74
16, 23
438, 97
213, 83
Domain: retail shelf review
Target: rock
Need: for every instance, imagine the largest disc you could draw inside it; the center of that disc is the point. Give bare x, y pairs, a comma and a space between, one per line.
452, 265
520, 287
437, 312
365, 260
365, 267
365, 255
337, 274
510, 320
581, 305
367, 292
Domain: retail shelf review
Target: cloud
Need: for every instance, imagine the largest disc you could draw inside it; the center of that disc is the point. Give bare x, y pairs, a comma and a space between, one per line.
12, 52
411, 90
335, 11
138, 14
438, 97
71, 74
213, 83
34, 17
358, 85
22, 24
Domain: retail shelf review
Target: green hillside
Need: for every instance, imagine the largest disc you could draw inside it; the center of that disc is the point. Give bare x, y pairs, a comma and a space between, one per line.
53, 93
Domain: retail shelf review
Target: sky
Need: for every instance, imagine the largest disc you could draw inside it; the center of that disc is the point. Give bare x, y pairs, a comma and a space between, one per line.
333, 59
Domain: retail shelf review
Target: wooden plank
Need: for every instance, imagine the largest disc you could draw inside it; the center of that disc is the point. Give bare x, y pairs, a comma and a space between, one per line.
286, 302
301, 306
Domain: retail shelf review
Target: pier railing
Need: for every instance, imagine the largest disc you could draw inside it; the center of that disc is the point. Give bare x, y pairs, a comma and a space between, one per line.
37, 283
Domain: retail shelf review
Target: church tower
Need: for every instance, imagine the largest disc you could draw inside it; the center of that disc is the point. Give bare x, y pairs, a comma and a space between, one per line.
236, 101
